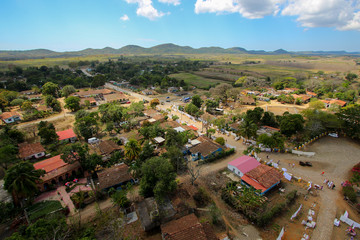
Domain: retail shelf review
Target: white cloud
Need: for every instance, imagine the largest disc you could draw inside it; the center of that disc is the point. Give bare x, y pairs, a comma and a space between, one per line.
146, 9
125, 18
247, 8
173, 2
340, 14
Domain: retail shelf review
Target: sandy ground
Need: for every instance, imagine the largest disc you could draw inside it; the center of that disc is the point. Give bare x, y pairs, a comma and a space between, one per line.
334, 156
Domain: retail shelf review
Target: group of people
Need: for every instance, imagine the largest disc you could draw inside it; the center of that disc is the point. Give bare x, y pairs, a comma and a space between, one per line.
330, 184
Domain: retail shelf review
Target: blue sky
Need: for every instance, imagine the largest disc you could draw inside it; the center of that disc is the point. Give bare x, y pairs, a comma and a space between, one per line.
67, 25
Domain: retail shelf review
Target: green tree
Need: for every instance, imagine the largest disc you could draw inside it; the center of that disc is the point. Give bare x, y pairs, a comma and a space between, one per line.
248, 128
350, 116
351, 77
78, 152
176, 157
8, 155
255, 115
173, 138
53, 103
154, 102
120, 199
87, 127
220, 91
291, 124
146, 152
192, 109
132, 150
220, 140
20, 181
27, 106
175, 117
317, 104
67, 90
158, 178
72, 103
268, 119
47, 133
197, 101
17, 102
50, 88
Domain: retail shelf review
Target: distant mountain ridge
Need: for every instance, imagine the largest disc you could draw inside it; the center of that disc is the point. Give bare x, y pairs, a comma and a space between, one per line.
168, 48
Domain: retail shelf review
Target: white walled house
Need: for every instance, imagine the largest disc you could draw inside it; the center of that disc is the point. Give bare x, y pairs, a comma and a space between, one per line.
242, 165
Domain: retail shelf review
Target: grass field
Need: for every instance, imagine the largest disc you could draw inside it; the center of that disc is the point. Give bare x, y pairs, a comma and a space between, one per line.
42, 209
195, 80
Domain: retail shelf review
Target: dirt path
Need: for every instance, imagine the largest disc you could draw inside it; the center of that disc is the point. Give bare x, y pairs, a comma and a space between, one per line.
334, 156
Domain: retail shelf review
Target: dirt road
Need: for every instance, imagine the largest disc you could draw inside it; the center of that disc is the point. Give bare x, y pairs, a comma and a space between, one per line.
334, 156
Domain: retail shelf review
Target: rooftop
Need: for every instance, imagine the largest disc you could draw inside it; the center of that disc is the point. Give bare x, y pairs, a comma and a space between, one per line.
28, 149
187, 227
6, 115
115, 97
107, 147
50, 164
205, 148
114, 175
264, 175
66, 134
245, 163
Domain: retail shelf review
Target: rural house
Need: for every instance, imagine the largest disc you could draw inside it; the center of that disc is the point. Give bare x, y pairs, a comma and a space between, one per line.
243, 165
116, 97
262, 178
31, 150
67, 136
114, 177
205, 149
56, 171
10, 117
107, 148
187, 227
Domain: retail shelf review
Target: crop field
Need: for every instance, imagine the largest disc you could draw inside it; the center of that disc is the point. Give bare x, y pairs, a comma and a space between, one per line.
196, 80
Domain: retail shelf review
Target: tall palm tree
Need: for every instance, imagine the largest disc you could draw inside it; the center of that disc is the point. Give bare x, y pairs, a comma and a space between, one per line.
132, 150
248, 128
20, 181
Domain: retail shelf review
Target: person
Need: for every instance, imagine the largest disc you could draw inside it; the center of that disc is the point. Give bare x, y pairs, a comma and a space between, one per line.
267, 156
333, 186
322, 173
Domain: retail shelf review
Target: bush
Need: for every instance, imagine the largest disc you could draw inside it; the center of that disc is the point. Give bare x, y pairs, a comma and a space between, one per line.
220, 155
201, 198
350, 193
220, 140
290, 197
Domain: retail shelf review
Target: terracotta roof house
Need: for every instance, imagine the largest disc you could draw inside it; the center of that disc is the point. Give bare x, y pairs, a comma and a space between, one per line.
187, 227
67, 135
56, 171
107, 147
304, 98
262, 178
91, 100
10, 117
205, 149
170, 124
114, 177
245, 100
116, 97
150, 112
92, 93
31, 150
311, 94
329, 103
243, 165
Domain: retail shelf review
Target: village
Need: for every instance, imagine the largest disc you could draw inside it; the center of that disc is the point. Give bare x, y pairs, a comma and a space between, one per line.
99, 152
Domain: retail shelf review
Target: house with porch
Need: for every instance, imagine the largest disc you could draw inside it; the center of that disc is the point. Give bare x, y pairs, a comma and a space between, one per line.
56, 171
206, 149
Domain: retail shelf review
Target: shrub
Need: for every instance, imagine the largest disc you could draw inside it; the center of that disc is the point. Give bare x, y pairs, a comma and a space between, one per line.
201, 198
220, 140
350, 193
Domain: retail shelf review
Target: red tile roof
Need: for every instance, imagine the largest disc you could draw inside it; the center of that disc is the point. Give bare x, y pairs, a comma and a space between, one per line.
50, 164
262, 175
66, 134
6, 115
28, 149
338, 102
245, 163
186, 228
193, 127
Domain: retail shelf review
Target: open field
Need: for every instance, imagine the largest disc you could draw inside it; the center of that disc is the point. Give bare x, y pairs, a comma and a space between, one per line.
198, 81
